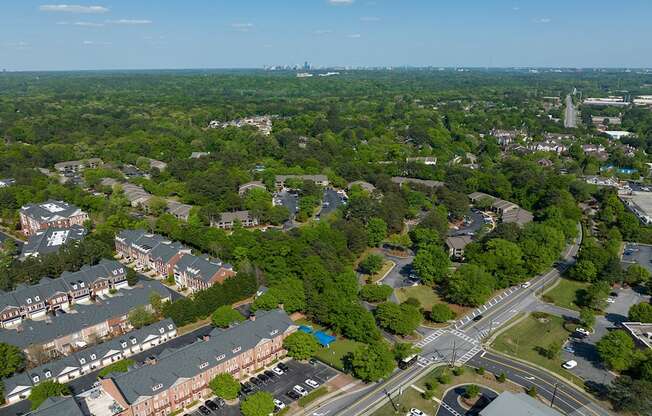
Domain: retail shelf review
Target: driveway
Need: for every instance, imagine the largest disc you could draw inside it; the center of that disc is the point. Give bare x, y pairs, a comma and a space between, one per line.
637, 253
476, 222
330, 202
396, 277
451, 405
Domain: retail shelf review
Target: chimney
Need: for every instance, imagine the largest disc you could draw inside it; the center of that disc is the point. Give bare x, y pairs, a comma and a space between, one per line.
151, 360
252, 317
206, 337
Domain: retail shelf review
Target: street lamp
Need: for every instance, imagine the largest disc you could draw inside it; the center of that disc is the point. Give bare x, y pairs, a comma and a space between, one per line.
554, 394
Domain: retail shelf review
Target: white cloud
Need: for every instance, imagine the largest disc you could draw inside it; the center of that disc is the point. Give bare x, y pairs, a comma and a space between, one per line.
516, 8
73, 8
129, 22
322, 32
95, 43
82, 24
18, 46
370, 18
341, 2
543, 20
242, 27
354, 36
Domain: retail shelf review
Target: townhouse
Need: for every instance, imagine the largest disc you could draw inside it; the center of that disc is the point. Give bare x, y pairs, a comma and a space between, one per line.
228, 220
75, 166
149, 251
508, 211
51, 240
58, 406
50, 295
457, 244
19, 386
400, 181
199, 273
71, 328
39, 217
321, 180
178, 377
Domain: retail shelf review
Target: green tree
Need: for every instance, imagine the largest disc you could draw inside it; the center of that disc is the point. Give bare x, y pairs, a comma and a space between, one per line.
471, 391
641, 312
132, 277
140, 317
46, 389
399, 319
225, 316
403, 350
532, 391
157, 205
637, 274
431, 264
503, 259
156, 301
121, 366
630, 395
587, 317
375, 293
376, 231
260, 403
371, 362
300, 345
596, 295
441, 313
616, 350
224, 385
13, 360
290, 292
267, 301
372, 264
470, 285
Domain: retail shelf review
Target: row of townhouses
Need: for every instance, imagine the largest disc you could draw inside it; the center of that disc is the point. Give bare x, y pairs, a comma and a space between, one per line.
179, 377
166, 257
51, 240
19, 386
39, 217
70, 329
49, 295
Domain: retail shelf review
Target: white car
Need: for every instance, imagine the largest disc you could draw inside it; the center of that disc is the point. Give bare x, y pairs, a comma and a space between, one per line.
611, 300
526, 285
278, 371
569, 365
300, 390
416, 412
279, 404
312, 383
582, 331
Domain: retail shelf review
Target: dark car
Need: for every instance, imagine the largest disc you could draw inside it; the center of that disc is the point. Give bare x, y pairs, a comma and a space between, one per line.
313, 361
204, 410
283, 367
219, 402
255, 381
477, 318
263, 378
211, 405
270, 374
293, 395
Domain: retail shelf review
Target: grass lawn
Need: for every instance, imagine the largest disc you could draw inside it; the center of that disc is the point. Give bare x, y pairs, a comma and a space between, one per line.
428, 297
409, 399
334, 354
524, 340
387, 266
565, 293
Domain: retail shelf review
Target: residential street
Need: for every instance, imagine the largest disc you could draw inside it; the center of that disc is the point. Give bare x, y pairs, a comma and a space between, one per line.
570, 116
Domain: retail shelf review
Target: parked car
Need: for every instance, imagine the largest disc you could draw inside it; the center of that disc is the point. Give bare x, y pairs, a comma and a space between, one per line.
211, 405
219, 402
293, 395
300, 390
313, 362
283, 367
569, 365
270, 374
263, 378
255, 381
278, 371
416, 412
204, 410
582, 331
279, 404
569, 348
311, 383
526, 285
477, 318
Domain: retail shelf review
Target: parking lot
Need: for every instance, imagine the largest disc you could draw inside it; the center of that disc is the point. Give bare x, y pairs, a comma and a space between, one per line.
637, 253
296, 375
331, 201
288, 200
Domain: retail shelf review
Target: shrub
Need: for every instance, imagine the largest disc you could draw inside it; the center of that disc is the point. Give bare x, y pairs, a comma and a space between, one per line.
371, 264
445, 378
471, 391
532, 391
441, 313
458, 371
375, 293
300, 345
502, 377
225, 386
480, 371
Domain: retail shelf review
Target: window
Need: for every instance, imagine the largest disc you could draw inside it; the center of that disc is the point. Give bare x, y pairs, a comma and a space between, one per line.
93, 356
133, 341
29, 301
157, 387
237, 349
203, 365
36, 298
124, 344
35, 379
220, 358
82, 360
170, 327
274, 332
81, 284
48, 374
161, 330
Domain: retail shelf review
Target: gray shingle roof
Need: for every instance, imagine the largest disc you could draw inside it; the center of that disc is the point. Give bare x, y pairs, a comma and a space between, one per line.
424, 182
51, 240
198, 267
105, 269
58, 406
235, 216
82, 316
50, 210
44, 289
510, 404
184, 362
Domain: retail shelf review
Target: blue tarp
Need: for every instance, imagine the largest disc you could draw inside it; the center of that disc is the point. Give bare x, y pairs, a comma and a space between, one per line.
305, 328
324, 339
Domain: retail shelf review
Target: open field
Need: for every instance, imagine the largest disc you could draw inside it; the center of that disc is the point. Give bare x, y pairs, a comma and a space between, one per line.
565, 293
428, 297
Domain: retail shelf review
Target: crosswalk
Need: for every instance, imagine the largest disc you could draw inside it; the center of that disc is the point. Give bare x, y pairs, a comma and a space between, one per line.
424, 362
450, 409
427, 340
464, 336
468, 355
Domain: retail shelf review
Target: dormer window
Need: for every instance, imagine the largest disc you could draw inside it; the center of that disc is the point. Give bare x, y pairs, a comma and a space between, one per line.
74, 287
133, 341
81, 284
35, 379
161, 330
124, 344
93, 356
48, 374
36, 298
170, 327
82, 360
274, 332
157, 387
203, 365
122, 270
237, 349
29, 301
220, 357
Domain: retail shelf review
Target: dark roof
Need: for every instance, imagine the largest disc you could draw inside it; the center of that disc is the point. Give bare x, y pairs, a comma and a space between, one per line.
105, 269
184, 362
50, 210
44, 289
58, 406
198, 267
510, 404
51, 240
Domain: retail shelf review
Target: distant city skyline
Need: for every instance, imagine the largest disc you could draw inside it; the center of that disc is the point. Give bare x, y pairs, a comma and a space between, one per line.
133, 34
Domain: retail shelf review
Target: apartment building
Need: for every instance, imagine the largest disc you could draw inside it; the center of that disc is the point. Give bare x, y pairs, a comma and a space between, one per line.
75, 166
457, 244
199, 273
228, 220
58, 406
150, 251
51, 240
508, 211
246, 187
321, 180
19, 386
400, 181
67, 329
59, 214
50, 295
178, 377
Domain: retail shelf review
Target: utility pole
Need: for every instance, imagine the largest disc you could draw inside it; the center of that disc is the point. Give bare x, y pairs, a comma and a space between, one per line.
389, 396
454, 354
554, 394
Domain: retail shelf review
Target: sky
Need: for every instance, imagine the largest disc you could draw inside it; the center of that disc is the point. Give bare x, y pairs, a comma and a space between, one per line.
168, 34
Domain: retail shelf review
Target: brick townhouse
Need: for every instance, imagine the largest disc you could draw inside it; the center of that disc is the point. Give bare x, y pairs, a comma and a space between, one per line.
63, 370
150, 251
199, 273
181, 376
50, 295
39, 217
83, 324
51, 240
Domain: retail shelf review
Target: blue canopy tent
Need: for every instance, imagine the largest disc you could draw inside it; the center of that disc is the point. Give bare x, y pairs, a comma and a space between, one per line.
324, 339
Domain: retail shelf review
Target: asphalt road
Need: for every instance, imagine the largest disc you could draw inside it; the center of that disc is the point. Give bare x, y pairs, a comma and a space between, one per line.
451, 406
568, 398
473, 227
570, 117
85, 382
